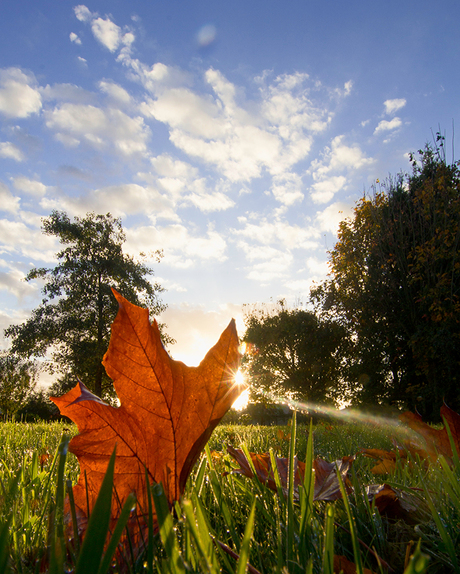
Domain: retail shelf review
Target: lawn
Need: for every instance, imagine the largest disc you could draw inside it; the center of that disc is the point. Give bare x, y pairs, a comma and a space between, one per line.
228, 522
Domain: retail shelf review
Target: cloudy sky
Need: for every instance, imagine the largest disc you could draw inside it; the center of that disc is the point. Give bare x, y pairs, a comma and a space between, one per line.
234, 135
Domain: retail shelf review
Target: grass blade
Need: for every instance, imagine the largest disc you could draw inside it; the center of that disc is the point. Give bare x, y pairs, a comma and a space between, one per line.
418, 563
328, 549
245, 544
92, 548
166, 528
351, 521
117, 533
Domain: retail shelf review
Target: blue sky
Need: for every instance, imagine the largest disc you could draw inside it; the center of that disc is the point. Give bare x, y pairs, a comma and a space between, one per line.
232, 135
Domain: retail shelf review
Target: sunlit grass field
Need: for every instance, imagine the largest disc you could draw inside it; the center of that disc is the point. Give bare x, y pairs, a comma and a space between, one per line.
228, 522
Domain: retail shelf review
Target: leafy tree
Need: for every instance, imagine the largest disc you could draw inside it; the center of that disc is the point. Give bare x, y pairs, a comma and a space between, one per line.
73, 321
292, 351
395, 286
17, 382
39, 407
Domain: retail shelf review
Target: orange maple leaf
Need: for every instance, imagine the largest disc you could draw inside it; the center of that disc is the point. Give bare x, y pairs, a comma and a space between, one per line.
166, 415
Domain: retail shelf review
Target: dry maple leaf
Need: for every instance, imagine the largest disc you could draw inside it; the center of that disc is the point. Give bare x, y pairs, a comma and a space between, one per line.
386, 459
398, 504
343, 566
166, 415
430, 442
326, 482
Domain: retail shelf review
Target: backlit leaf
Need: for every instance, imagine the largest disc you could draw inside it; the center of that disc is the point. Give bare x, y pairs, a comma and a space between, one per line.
166, 415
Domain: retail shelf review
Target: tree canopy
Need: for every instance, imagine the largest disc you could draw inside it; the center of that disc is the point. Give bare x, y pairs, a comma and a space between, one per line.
292, 351
17, 382
395, 287
73, 321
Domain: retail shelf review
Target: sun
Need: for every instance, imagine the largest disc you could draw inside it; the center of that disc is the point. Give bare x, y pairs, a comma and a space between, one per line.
242, 401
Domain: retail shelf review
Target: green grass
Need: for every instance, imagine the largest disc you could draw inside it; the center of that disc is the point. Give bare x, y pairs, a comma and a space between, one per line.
226, 522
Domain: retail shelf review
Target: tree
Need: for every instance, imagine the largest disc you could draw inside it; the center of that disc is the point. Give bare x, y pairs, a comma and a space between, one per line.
291, 351
395, 287
17, 382
73, 320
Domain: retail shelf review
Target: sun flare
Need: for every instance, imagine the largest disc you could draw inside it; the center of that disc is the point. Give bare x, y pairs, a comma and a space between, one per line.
243, 399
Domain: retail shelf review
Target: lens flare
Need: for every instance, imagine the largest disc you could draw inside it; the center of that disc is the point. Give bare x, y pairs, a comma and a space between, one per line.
347, 415
242, 401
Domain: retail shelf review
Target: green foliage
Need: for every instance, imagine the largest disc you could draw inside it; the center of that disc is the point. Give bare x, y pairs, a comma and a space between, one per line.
395, 288
292, 351
38, 407
73, 321
17, 382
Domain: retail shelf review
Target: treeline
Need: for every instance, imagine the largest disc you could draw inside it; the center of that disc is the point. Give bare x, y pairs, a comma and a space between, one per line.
384, 328
68, 334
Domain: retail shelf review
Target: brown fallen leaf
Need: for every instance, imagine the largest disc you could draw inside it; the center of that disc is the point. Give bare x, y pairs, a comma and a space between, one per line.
326, 482
430, 442
342, 564
166, 415
283, 435
398, 504
386, 460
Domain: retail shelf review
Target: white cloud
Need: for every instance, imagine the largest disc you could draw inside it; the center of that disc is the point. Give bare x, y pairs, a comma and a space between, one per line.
239, 156
182, 249
208, 202
277, 232
241, 139
386, 125
289, 108
392, 106
68, 93
339, 157
100, 128
82, 13
266, 262
328, 171
329, 218
74, 38
13, 282
10, 151
115, 92
269, 270
348, 87
168, 167
182, 108
8, 203
324, 190
287, 188
317, 267
19, 96
19, 238
107, 32
29, 186
120, 200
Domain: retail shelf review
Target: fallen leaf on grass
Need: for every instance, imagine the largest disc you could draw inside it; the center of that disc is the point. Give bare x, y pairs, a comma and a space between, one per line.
283, 435
326, 481
386, 459
342, 564
44, 458
166, 415
429, 441
397, 504
425, 443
